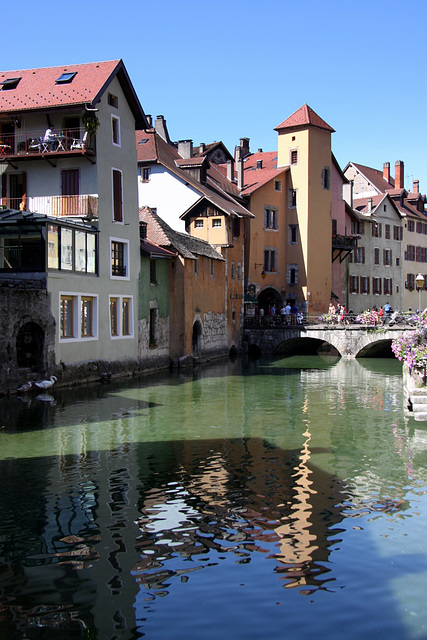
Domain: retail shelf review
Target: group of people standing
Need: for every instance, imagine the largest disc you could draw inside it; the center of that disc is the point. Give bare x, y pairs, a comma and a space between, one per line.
339, 312
289, 314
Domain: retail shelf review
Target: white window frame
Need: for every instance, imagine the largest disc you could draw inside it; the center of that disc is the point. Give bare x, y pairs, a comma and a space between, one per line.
120, 299
77, 317
119, 135
216, 223
125, 259
199, 223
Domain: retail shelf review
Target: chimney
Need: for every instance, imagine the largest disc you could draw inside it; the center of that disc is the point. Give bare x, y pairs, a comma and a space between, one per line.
416, 186
259, 150
398, 175
239, 163
386, 171
230, 170
369, 205
259, 164
244, 145
149, 120
185, 148
161, 128
347, 193
202, 147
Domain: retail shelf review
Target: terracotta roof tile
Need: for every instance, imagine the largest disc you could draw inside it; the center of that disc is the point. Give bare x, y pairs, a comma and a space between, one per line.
302, 117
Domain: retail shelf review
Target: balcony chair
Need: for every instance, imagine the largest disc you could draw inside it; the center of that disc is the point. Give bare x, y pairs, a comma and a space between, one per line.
79, 144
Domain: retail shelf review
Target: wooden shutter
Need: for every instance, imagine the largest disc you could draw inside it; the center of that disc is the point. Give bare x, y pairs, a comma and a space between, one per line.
117, 196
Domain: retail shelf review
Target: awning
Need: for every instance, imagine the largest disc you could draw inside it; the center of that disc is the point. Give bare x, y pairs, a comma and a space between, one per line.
250, 299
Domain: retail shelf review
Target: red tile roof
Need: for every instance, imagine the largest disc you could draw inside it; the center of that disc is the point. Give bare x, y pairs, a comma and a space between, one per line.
158, 150
37, 88
301, 118
375, 177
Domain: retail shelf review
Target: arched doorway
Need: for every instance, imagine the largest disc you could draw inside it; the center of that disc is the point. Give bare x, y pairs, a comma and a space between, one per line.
197, 337
30, 346
267, 298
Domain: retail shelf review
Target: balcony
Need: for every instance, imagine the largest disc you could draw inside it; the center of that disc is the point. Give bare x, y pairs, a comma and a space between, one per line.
29, 145
342, 246
84, 206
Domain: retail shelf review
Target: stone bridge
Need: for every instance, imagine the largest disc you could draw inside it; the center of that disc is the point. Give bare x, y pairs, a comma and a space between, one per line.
350, 341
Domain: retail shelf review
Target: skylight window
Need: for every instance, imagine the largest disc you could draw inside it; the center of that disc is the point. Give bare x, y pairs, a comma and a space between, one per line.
9, 83
66, 78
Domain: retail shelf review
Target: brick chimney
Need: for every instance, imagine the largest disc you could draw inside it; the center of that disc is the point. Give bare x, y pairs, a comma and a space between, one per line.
399, 176
415, 186
386, 171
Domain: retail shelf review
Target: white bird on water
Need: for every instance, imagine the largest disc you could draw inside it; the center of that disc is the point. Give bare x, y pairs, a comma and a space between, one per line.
25, 387
45, 384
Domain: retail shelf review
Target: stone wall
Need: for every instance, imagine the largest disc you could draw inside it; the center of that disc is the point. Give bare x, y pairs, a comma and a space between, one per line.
214, 333
20, 308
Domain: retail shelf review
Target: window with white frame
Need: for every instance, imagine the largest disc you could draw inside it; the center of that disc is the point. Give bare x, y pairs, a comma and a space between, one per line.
198, 224
270, 260
121, 316
270, 218
119, 258
216, 222
115, 130
78, 316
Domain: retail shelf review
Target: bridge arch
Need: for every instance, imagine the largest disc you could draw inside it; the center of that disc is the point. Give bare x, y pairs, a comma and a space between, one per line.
347, 341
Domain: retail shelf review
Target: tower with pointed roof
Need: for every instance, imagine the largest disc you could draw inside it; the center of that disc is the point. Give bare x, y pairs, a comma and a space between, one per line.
304, 145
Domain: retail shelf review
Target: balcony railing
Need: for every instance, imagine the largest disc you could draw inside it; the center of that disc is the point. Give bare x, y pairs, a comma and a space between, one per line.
344, 242
28, 144
84, 206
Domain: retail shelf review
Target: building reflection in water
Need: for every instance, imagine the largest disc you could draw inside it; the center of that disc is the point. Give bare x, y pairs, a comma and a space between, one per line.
241, 497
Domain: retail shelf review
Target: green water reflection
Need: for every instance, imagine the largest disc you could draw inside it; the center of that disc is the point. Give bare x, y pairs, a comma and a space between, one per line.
245, 499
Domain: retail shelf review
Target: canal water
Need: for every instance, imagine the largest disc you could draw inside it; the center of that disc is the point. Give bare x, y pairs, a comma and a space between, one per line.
280, 499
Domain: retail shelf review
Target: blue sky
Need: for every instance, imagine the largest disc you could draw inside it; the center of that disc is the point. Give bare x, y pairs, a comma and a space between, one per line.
229, 69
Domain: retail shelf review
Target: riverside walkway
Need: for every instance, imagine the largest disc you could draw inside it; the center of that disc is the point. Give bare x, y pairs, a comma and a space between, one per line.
350, 340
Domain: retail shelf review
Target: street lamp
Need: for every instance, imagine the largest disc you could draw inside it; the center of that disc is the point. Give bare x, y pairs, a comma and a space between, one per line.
419, 281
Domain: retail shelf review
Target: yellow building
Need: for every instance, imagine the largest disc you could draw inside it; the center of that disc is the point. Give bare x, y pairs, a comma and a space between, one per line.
290, 247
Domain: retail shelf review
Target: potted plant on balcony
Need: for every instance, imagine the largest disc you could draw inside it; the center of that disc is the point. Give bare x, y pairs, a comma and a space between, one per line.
90, 122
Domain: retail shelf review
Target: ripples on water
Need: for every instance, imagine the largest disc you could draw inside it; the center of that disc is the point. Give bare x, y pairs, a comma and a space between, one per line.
271, 499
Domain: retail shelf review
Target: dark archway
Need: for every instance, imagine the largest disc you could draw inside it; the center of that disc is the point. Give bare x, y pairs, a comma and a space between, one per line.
267, 298
30, 347
197, 337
